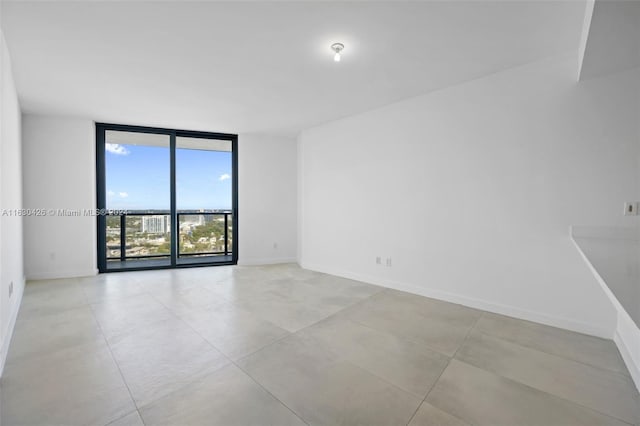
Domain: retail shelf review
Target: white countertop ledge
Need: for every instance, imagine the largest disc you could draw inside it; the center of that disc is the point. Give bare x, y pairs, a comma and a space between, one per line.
614, 255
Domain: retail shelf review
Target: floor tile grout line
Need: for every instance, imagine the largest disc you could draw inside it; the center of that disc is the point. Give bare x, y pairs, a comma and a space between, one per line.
399, 336
466, 337
285, 337
553, 355
115, 361
471, 329
291, 333
234, 303
279, 339
445, 368
313, 323
210, 305
179, 318
475, 322
551, 395
429, 391
288, 333
349, 361
295, 333
123, 416
231, 362
74, 284
272, 395
192, 379
623, 374
339, 311
192, 328
330, 316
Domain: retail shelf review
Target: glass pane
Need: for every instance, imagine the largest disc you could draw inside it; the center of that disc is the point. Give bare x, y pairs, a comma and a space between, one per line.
203, 197
137, 177
137, 171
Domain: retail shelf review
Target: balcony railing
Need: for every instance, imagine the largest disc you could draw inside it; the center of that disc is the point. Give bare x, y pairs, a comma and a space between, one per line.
223, 219
146, 235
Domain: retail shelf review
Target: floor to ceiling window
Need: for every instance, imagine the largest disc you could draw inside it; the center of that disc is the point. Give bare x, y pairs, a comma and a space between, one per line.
166, 198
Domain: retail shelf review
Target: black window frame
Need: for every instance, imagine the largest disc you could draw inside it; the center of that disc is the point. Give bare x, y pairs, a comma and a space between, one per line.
101, 193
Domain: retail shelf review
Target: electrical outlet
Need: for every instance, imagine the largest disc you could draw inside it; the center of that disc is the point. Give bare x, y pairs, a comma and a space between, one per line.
275, 246
378, 260
388, 261
631, 208
10, 289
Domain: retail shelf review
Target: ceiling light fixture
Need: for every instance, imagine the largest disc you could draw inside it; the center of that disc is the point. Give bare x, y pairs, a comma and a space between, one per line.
337, 47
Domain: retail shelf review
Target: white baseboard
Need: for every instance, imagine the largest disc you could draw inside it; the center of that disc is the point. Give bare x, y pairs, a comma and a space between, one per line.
628, 358
485, 305
265, 261
4, 348
54, 275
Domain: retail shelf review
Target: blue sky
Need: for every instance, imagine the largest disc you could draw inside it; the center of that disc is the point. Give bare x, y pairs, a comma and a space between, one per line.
137, 178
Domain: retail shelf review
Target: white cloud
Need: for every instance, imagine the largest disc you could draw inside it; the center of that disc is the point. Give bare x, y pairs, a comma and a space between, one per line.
224, 177
115, 148
110, 193
123, 195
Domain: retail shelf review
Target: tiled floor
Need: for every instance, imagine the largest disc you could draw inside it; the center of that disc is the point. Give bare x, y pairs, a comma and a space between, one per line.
279, 345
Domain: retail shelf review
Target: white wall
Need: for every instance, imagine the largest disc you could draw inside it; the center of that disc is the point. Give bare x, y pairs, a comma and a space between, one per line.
471, 191
267, 199
59, 173
11, 260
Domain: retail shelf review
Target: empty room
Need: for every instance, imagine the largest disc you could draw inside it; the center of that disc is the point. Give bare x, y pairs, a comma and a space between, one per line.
412, 213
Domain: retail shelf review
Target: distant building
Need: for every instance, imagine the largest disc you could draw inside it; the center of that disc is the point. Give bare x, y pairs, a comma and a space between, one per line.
155, 224
192, 220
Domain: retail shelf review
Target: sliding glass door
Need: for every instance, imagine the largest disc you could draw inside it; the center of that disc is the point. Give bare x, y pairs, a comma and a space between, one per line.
204, 197
166, 198
137, 180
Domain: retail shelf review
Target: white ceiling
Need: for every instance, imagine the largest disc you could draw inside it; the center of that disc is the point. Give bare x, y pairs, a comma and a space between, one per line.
265, 66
